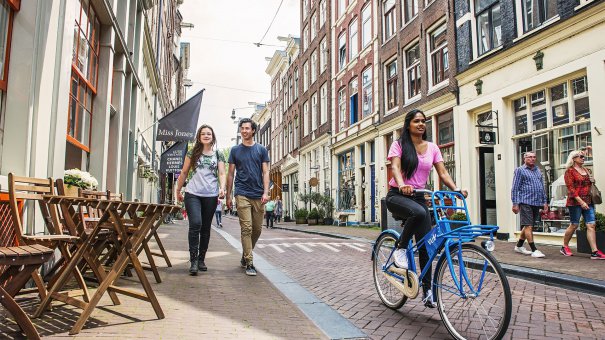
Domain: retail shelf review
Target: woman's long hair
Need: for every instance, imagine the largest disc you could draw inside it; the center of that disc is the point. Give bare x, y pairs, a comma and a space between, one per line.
409, 157
198, 147
569, 164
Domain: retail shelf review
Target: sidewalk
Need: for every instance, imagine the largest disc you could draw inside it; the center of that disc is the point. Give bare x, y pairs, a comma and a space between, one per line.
222, 303
575, 272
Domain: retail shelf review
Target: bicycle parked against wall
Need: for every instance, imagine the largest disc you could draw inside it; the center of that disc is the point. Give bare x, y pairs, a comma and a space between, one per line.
471, 290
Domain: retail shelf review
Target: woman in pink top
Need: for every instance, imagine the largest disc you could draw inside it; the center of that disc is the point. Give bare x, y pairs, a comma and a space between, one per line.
412, 159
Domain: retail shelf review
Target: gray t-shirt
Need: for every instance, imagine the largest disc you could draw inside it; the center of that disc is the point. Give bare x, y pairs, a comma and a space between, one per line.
248, 162
204, 177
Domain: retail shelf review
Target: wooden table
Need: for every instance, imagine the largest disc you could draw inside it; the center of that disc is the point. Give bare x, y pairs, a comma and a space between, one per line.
114, 216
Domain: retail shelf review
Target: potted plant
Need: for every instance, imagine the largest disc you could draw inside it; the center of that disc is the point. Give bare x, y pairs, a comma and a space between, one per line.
76, 178
313, 217
300, 215
287, 217
458, 216
321, 216
582, 241
328, 205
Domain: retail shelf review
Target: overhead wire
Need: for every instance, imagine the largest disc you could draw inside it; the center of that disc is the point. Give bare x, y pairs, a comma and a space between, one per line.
271, 24
230, 41
230, 88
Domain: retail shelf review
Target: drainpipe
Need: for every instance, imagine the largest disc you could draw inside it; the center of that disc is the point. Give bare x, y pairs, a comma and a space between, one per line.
155, 101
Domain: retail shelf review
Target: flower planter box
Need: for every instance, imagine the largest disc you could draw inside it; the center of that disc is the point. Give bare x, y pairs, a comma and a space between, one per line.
287, 219
328, 221
582, 241
301, 221
312, 221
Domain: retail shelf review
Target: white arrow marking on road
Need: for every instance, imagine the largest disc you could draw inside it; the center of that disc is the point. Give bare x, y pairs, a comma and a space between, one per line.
276, 247
356, 246
330, 247
303, 247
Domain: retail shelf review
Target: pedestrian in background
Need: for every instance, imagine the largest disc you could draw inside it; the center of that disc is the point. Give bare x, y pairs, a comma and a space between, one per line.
251, 160
579, 203
206, 185
218, 213
269, 208
279, 209
528, 197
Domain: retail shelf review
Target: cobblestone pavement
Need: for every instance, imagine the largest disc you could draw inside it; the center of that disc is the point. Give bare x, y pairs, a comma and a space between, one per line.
222, 303
341, 276
578, 265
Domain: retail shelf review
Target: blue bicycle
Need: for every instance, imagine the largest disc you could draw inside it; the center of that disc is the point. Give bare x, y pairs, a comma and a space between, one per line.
472, 293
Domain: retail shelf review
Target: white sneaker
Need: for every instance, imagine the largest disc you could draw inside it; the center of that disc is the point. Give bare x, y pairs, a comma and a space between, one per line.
537, 253
400, 258
524, 251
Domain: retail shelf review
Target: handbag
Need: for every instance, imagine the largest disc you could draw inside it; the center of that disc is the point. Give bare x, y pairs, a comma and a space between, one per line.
595, 193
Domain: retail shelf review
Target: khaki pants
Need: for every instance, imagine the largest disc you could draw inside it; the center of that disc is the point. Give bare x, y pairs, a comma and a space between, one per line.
250, 213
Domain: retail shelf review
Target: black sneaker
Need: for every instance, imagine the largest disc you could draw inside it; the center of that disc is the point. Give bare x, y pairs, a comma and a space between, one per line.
202, 266
194, 268
242, 262
427, 298
250, 270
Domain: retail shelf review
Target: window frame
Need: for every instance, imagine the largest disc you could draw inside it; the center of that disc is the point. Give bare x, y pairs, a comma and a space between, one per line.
323, 103
305, 120
389, 22
342, 106
492, 31
342, 51
434, 51
313, 66
366, 40
323, 55
391, 82
367, 91
404, 9
413, 92
353, 39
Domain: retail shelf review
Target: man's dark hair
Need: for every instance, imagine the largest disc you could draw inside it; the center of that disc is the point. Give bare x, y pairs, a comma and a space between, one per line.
252, 124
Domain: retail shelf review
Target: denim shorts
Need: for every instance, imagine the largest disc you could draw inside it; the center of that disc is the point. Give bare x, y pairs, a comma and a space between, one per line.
575, 211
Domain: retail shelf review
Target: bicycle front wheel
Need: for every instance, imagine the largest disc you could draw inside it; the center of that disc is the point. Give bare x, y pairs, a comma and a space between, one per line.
483, 309
389, 294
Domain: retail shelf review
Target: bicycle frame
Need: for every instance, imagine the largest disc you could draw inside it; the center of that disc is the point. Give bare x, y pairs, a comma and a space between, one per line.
443, 237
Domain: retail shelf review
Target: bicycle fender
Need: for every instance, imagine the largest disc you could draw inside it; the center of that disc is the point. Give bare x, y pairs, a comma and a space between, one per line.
392, 232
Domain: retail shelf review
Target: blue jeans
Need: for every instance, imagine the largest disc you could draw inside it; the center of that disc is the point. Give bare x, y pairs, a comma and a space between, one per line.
219, 217
575, 211
200, 211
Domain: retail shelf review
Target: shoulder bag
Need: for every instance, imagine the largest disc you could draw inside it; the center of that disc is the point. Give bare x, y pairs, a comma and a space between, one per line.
595, 193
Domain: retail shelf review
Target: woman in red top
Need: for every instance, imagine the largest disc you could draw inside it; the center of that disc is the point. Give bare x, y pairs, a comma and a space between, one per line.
579, 203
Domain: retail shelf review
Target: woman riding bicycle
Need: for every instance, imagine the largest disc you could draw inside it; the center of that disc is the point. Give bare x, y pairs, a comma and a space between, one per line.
412, 158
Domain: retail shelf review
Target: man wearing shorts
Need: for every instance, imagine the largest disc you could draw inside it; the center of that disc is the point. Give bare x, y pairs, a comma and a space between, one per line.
528, 198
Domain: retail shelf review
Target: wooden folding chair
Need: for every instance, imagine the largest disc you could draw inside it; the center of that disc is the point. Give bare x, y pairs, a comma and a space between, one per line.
30, 190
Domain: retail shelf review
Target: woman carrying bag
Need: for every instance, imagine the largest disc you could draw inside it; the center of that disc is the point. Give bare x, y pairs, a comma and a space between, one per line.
579, 202
206, 185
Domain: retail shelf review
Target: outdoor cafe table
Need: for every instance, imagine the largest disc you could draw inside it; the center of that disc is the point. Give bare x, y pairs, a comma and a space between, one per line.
132, 232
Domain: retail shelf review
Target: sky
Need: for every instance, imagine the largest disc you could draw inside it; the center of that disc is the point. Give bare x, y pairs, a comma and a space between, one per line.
233, 73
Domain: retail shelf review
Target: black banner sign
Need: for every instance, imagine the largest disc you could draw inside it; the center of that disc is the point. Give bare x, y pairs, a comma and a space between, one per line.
173, 158
181, 123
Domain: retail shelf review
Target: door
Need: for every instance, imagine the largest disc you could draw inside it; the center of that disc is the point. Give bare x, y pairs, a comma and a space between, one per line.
487, 178
373, 192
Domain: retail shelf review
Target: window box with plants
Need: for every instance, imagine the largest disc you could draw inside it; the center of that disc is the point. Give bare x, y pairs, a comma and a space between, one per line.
582, 241
300, 215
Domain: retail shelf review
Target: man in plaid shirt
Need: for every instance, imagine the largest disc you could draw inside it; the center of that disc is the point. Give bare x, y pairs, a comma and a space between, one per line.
528, 197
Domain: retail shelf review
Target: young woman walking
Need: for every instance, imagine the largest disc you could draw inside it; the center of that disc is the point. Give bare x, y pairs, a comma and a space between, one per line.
205, 168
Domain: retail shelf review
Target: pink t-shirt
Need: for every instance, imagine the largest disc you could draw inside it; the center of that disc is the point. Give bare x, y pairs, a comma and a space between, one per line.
431, 156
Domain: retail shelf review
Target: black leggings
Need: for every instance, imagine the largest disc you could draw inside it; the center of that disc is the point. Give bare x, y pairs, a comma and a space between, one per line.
200, 211
417, 223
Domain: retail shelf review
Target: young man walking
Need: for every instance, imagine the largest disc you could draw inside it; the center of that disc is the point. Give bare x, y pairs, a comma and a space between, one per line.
251, 160
528, 197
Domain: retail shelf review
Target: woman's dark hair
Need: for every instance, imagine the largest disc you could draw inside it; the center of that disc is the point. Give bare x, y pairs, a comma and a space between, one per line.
409, 157
198, 147
252, 124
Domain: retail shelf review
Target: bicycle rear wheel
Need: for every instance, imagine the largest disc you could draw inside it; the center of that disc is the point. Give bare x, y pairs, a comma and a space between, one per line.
389, 294
484, 315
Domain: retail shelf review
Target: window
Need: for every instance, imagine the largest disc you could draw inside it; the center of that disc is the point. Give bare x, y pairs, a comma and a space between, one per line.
366, 26
313, 66
489, 25
412, 60
342, 6
559, 102
6, 26
391, 93
439, 55
305, 121
354, 101
296, 83
346, 182
313, 26
291, 91
323, 103
314, 111
305, 9
366, 92
342, 106
305, 76
296, 141
537, 12
342, 51
410, 9
520, 106
290, 138
323, 55
322, 13
305, 38
85, 62
353, 41
389, 19
445, 140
